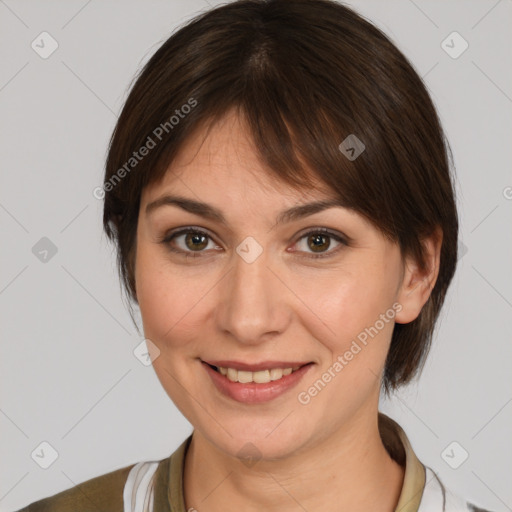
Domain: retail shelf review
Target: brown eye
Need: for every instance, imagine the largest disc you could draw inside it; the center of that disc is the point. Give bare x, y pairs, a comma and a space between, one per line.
196, 241
318, 242
189, 242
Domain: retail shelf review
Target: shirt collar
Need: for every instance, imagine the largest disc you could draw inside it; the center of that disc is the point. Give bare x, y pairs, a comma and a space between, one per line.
398, 446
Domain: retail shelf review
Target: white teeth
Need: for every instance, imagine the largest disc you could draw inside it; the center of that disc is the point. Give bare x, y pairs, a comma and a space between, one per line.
260, 377
232, 375
244, 376
276, 373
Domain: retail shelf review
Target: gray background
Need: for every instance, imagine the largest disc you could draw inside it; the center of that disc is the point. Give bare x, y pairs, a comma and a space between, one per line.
68, 373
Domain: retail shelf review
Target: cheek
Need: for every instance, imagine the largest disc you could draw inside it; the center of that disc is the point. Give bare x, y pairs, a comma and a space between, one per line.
169, 300
347, 322
345, 303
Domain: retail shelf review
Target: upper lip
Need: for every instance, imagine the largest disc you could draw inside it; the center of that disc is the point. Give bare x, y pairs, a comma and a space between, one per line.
254, 367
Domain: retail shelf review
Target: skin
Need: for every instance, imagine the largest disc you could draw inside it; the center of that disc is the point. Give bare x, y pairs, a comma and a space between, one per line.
326, 455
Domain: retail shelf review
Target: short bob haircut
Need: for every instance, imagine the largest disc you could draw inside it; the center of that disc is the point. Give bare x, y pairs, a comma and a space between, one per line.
304, 75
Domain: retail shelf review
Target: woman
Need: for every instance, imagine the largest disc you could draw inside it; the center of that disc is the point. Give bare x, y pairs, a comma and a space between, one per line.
279, 192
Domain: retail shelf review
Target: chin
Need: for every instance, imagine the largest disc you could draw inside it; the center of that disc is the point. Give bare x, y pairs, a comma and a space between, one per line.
260, 439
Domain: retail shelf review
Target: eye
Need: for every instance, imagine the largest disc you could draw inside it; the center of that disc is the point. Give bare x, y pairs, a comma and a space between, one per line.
318, 241
192, 242
189, 241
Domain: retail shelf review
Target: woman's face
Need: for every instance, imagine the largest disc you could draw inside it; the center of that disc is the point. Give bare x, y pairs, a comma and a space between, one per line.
248, 293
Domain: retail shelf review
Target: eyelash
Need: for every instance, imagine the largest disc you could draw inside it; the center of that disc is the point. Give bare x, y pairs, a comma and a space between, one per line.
166, 240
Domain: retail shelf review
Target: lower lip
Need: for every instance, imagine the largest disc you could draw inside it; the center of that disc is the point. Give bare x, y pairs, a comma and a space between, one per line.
253, 393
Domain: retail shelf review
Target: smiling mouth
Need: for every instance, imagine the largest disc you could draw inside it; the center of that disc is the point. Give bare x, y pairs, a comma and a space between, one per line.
258, 377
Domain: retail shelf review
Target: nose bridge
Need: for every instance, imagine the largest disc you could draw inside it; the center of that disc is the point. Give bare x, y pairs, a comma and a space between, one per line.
251, 305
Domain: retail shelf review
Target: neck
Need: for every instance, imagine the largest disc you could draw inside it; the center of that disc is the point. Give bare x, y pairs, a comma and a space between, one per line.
350, 470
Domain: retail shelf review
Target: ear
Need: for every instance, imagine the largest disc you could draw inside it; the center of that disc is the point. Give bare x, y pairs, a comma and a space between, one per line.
418, 284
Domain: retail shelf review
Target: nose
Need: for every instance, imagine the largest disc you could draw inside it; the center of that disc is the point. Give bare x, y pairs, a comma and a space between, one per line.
253, 306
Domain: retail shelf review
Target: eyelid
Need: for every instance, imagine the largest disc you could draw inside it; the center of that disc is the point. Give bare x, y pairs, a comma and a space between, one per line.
327, 231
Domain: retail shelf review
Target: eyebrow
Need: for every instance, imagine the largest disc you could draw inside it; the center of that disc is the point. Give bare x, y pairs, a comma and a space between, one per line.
210, 212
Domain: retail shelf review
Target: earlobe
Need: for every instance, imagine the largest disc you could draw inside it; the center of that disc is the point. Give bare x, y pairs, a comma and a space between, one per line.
417, 283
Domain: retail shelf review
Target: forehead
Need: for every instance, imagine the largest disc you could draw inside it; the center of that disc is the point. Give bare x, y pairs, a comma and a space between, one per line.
223, 158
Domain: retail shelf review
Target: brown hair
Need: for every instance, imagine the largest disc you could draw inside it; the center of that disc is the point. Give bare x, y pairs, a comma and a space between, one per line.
305, 75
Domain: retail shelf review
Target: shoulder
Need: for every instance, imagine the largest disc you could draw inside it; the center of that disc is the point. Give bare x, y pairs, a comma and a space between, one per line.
437, 497
104, 492
143, 484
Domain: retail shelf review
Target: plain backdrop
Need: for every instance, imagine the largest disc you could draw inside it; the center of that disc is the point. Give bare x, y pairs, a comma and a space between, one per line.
68, 373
